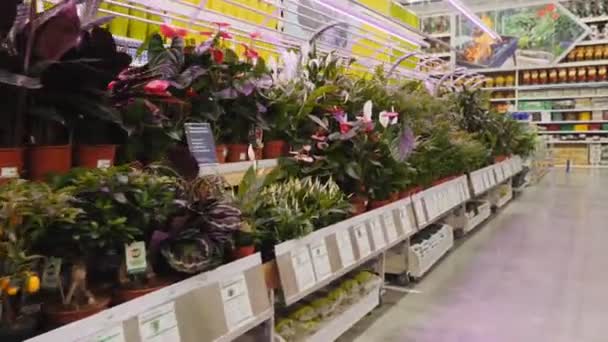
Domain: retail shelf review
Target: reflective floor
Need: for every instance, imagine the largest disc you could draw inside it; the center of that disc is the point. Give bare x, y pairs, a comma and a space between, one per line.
537, 272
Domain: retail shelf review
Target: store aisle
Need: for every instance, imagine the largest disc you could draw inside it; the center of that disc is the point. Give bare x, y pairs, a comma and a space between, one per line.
538, 272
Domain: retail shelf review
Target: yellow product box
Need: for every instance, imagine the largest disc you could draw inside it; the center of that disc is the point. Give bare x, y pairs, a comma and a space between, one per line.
581, 127
586, 116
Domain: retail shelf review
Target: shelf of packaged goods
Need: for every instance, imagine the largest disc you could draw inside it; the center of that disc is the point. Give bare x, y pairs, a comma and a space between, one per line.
499, 88
560, 97
234, 172
572, 132
564, 110
544, 67
564, 86
599, 19
575, 142
508, 99
568, 122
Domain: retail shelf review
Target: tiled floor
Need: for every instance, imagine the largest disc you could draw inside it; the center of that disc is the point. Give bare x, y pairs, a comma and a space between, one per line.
537, 272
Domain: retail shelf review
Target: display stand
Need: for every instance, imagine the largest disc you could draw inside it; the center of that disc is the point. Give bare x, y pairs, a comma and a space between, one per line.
463, 220
422, 257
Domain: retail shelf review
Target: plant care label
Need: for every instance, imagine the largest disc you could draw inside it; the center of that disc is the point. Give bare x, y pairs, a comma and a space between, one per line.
391, 229
362, 239
51, 273
104, 163
135, 255
404, 218
113, 334
159, 324
201, 142
303, 269
345, 247
377, 232
9, 172
320, 260
237, 306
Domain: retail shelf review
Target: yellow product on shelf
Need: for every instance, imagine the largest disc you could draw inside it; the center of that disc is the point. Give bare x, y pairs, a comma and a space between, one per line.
154, 28
137, 29
120, 25
581, 127
586, 116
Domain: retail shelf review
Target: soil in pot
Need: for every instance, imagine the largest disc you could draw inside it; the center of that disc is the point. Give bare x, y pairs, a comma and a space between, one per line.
222, 152
243, 252
58, 314
377, 204
11, 163
275, 148
21, 330
95, 156
359, 205
123, 294
45, 160
237, 153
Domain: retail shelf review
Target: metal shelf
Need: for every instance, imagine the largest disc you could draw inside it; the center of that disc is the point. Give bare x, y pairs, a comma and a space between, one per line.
504, 100
577, 142
564, 110
560, 97
567, 122
572, 132
564, 85
593, 42
499, 88
441, 35
599, 19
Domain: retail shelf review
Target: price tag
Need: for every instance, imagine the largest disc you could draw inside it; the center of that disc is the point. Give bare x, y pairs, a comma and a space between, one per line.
391, 229
345, 247
362, 240
320, 260
237, 306
377, 232
135, 255
201, 142
302, 266
113, 334
159, 324
9, 172
51, 273
419, 210
104, 163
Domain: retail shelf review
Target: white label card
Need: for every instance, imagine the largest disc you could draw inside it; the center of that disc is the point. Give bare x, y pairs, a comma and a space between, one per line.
345, 247
237, 306
114, 334
104, 163
406, 224
377, 232
362, 240
51, 273
320, 260
302, 266
391, 229
159, 324
135, 255
9, 172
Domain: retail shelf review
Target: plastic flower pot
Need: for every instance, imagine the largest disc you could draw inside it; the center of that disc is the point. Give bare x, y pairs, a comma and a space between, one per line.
394, 196
45, 160
275, 148
11, 163
271, 274
500, 158
359, 205
222, 152
377, 204
242, 252
237, 153
122, 295
95, 156
57, 314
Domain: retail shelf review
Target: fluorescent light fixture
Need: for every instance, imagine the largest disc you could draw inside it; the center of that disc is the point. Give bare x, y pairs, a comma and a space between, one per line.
464, 10
368, 20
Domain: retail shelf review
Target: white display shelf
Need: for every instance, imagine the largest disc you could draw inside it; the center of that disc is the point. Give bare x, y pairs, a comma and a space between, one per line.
441, 54
564, 85
560, 97
342, 321
499, 88
599, 19
566, 142
593, 42
499, 200
422, 257
572, 132
461, 220
441, 35
508, 99
583, 166
567, 122
568, 110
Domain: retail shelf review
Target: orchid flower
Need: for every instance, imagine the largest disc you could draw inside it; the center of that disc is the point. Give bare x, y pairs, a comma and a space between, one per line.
388, 118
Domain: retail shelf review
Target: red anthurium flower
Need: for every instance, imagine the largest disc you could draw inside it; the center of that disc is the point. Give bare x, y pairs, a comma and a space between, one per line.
250, 53
167, 31
255, 35
157, 87
218, 55
181, 32
225, 35
221, 24
345, 127
111, 85
207, 33
191, 93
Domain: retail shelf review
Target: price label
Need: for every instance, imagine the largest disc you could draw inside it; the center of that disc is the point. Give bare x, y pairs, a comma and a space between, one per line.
419, 210
114, 334
391, 229
320, 260
303, 269
237, 306
362, 240
135, 255
377, 232
201, 143
159, 324
9, 172
404, 218
51, 273
104, 163
345, 247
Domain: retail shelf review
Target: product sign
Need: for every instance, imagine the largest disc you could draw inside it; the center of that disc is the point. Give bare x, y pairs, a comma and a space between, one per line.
377, 233
362, 240
104, 163
135, 255
159, 324
9, 172
113, 334
303, 269
391, 229
237, 306
320, 260
345, 247
51, 275
201, 142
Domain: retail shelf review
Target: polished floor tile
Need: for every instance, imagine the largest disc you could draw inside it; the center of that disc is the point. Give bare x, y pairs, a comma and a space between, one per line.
537, 272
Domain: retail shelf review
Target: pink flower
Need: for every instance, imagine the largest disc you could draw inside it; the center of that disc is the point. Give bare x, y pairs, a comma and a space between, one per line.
221, 24
255, 35
171, 32
225, 35
320, 138
345, 127
157, 87
111, 85
250, 53
207, 33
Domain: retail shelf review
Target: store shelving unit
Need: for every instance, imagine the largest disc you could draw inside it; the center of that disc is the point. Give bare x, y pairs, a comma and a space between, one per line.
234, 172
